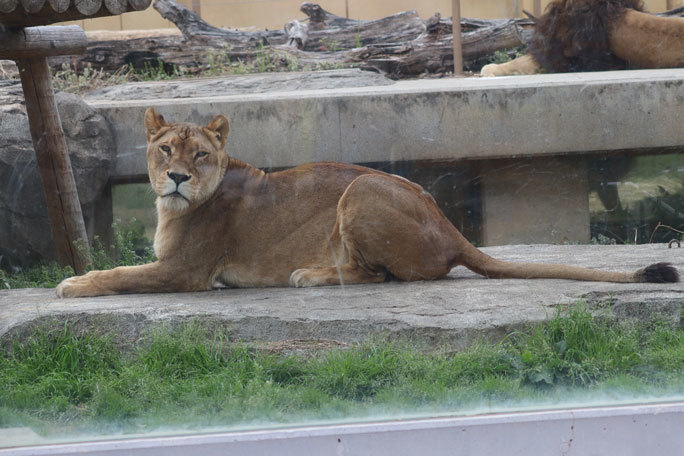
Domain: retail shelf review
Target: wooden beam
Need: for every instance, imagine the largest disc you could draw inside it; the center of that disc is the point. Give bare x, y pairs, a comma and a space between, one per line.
64, 209
458, 51
26, 13
7, 6
44, 41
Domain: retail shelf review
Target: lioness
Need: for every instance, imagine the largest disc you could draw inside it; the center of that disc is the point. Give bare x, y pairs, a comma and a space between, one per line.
222, 222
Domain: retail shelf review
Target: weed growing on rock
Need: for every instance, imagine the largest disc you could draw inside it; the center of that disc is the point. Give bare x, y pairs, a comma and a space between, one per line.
69, 80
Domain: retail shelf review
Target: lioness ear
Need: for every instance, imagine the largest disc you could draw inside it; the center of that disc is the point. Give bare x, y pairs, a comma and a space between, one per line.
153, 123
219, 127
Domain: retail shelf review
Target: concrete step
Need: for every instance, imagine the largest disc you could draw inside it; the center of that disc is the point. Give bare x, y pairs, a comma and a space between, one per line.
456, 311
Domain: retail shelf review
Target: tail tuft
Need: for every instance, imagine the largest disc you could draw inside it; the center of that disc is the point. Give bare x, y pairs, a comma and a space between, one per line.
658, 273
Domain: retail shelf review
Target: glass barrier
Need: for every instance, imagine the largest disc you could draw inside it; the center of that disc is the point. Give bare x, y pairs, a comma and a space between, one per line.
351, 293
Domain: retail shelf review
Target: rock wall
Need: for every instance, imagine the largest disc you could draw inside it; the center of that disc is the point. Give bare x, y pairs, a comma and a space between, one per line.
25, 235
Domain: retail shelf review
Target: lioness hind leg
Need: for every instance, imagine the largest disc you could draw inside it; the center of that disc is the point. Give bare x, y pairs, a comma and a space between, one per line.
345, 274
388, 223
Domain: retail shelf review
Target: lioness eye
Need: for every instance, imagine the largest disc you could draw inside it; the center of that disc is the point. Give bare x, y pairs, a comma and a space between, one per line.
166, 150
201, 154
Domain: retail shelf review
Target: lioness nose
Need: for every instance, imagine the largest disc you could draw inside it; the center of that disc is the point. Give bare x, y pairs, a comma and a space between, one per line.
178, 178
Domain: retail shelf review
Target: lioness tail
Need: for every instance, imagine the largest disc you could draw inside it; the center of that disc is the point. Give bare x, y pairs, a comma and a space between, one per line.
481, 263
657, 273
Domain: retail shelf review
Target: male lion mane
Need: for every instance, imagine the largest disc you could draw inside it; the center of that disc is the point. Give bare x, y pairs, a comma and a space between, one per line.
572, 35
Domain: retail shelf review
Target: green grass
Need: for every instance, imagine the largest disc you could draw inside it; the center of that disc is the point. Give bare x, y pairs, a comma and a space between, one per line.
505, 55
130, 247
42, 275
58, 380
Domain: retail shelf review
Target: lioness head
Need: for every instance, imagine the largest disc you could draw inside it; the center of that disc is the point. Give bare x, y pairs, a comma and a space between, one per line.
185, 161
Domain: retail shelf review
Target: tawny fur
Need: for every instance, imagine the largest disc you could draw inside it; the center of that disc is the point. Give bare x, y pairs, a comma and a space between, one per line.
573, 35
599, 35
222, 221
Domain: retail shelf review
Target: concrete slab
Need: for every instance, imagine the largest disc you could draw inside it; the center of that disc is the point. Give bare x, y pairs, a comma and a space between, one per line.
239, 85
456, 310
450, 118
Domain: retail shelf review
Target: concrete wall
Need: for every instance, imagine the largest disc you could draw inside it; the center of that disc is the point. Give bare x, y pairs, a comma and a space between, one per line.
453, 119
483, 120
273, 14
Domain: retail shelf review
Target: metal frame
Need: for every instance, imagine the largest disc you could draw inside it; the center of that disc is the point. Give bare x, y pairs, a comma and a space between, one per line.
620, 430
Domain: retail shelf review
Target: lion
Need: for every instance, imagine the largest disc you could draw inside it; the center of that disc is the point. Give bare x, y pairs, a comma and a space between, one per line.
225, 223
598, 35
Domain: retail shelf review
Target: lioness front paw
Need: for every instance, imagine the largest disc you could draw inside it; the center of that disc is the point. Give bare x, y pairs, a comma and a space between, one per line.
77, 286
66, 288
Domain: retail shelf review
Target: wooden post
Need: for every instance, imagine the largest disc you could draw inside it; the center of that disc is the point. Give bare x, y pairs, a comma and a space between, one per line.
458, 52
29, 47
536, 8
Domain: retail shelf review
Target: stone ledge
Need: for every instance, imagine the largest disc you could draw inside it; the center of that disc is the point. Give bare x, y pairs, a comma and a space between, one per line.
437, 119
282, 120
456, 310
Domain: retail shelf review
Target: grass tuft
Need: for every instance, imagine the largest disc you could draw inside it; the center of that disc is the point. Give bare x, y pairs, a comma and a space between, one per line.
59, 379
130, 248
577, 350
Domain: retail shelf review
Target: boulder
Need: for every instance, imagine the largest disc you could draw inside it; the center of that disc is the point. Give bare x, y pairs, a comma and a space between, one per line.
25, 236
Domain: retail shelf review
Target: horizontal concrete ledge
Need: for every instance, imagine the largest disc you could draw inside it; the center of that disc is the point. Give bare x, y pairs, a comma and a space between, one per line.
456, 310
450, 118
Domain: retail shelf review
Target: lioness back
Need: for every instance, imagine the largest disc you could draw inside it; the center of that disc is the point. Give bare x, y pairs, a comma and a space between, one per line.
280, 222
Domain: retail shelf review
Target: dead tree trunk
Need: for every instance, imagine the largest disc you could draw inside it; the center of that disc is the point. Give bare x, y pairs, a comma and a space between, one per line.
403, 45
194, 28
324, 30
432, 51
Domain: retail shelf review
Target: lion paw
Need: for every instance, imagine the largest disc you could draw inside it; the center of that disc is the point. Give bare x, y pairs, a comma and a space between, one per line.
491, 70
66, 288
301, 278
77, 286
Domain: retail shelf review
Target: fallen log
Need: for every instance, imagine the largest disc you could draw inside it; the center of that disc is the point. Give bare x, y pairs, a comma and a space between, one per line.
339, 34
402, 45
432, 52
194, 28
325, 31
111, 55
